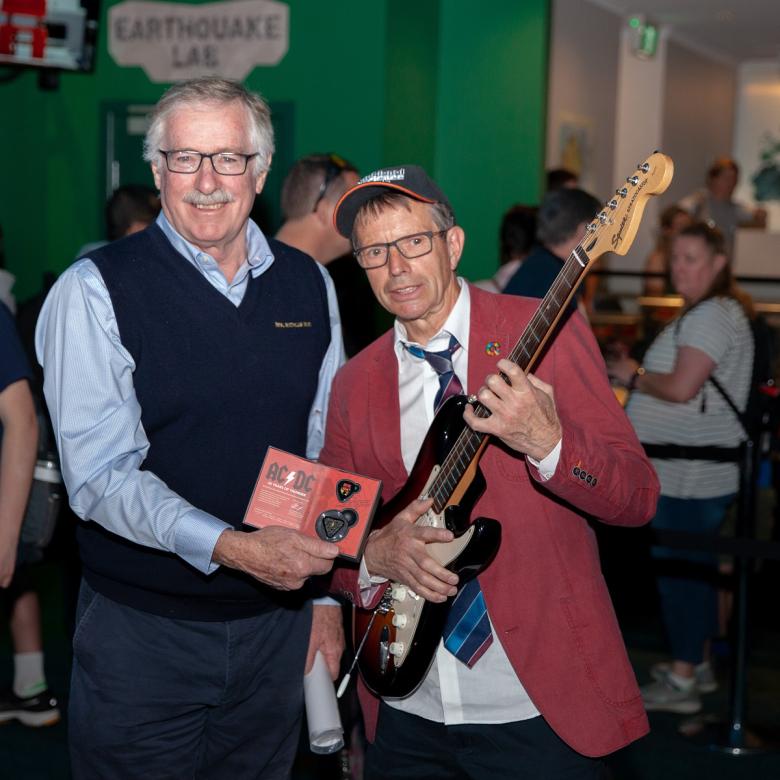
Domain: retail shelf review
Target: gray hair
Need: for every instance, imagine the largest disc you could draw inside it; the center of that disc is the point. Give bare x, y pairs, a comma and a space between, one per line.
442, 215
216, 91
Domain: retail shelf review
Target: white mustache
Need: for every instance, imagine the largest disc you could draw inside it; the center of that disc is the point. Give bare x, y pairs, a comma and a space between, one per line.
208, 199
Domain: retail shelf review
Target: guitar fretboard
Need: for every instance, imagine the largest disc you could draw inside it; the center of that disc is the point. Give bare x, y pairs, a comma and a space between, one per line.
524, 354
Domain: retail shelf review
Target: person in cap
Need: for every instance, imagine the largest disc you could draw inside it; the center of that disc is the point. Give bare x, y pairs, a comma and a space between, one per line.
172, 359
549, 689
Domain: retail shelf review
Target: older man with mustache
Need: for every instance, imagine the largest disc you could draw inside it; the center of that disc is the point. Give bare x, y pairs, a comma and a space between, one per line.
168, 356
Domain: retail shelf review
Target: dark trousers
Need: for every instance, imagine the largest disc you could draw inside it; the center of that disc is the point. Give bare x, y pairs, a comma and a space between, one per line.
410, 747
687, 579
154, 697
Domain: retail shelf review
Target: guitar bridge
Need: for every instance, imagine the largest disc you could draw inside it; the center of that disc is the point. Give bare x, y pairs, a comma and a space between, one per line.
385, 603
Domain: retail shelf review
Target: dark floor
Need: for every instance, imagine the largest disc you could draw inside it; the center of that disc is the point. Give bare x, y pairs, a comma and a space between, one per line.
29, 754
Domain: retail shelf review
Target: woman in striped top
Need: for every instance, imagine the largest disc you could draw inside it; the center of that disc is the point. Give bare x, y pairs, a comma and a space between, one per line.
676, 402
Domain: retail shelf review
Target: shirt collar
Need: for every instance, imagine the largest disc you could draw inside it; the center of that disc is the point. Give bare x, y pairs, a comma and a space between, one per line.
456, 324
259, 255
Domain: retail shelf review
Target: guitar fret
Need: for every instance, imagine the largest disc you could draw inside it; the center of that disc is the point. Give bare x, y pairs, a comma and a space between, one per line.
582, 260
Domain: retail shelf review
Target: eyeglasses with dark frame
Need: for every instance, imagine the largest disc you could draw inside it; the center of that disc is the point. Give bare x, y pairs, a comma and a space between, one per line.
189, 161
410, 247
334, 167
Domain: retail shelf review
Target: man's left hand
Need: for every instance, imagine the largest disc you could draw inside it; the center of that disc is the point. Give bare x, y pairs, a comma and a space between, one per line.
327, 636
523, 413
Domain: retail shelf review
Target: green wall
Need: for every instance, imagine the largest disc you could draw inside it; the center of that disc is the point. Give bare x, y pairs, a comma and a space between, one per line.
411, 81
449, 84
490, 116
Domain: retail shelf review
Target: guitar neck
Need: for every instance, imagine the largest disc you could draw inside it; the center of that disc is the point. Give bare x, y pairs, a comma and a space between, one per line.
469, 445
612, 230
540, 327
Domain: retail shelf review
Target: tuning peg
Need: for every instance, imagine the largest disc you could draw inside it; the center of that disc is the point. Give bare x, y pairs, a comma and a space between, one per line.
633, 180
613, 204
603, 217
644, 167
623, 191
590, 228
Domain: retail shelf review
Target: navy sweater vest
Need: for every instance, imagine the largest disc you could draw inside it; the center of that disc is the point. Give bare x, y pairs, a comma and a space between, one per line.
217, 385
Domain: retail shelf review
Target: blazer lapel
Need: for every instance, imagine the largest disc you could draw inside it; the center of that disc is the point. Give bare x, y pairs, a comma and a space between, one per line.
488, 325
384, 412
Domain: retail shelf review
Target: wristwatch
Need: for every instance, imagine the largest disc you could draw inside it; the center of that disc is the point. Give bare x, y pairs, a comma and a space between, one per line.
639, 372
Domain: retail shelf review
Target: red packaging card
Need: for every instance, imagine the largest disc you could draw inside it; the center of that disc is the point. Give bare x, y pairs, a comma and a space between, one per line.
315, 499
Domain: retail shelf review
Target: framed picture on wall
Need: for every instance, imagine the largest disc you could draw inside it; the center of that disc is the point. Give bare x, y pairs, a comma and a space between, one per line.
575, 144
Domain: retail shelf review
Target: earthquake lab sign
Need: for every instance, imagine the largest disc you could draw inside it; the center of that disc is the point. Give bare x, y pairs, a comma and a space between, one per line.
176, 41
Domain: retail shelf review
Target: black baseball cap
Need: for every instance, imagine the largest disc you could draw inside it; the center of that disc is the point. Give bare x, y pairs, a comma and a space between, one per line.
410, 180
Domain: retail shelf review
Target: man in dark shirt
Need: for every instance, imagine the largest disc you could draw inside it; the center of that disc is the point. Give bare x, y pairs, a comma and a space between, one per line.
310, 192
561, 223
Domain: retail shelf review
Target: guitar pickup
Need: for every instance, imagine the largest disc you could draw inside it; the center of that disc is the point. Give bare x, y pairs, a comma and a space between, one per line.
384, 649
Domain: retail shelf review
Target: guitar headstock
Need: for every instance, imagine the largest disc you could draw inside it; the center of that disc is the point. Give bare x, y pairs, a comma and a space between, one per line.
615, 226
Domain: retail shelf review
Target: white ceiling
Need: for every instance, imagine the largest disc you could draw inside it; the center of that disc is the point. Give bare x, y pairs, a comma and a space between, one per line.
733, 30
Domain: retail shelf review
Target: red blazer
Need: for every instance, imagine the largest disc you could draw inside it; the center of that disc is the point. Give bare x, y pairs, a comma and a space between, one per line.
544, 591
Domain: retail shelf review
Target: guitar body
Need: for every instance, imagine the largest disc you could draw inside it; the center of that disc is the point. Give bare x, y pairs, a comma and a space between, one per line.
403, 632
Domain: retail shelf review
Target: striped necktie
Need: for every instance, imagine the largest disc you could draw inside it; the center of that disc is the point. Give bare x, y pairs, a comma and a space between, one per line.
467, 631
441, 362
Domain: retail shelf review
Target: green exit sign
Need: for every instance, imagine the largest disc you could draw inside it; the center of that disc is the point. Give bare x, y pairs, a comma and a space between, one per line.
645, 37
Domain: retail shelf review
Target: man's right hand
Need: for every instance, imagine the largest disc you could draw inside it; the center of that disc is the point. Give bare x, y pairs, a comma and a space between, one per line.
398, 552
279, 557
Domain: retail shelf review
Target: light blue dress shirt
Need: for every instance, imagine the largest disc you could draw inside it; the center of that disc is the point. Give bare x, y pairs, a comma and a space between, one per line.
97, 417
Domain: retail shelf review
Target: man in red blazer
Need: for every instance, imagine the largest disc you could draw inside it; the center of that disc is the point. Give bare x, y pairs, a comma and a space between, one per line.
552, 688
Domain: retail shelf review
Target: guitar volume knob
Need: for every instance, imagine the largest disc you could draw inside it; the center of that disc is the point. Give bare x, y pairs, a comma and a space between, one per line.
399, 621
396, 648
398, 592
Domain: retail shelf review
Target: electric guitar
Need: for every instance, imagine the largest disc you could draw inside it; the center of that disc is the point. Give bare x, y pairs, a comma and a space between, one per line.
397, 640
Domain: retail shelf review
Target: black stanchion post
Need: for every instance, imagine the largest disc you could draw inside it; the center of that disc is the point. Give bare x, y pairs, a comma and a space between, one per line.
735, 736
